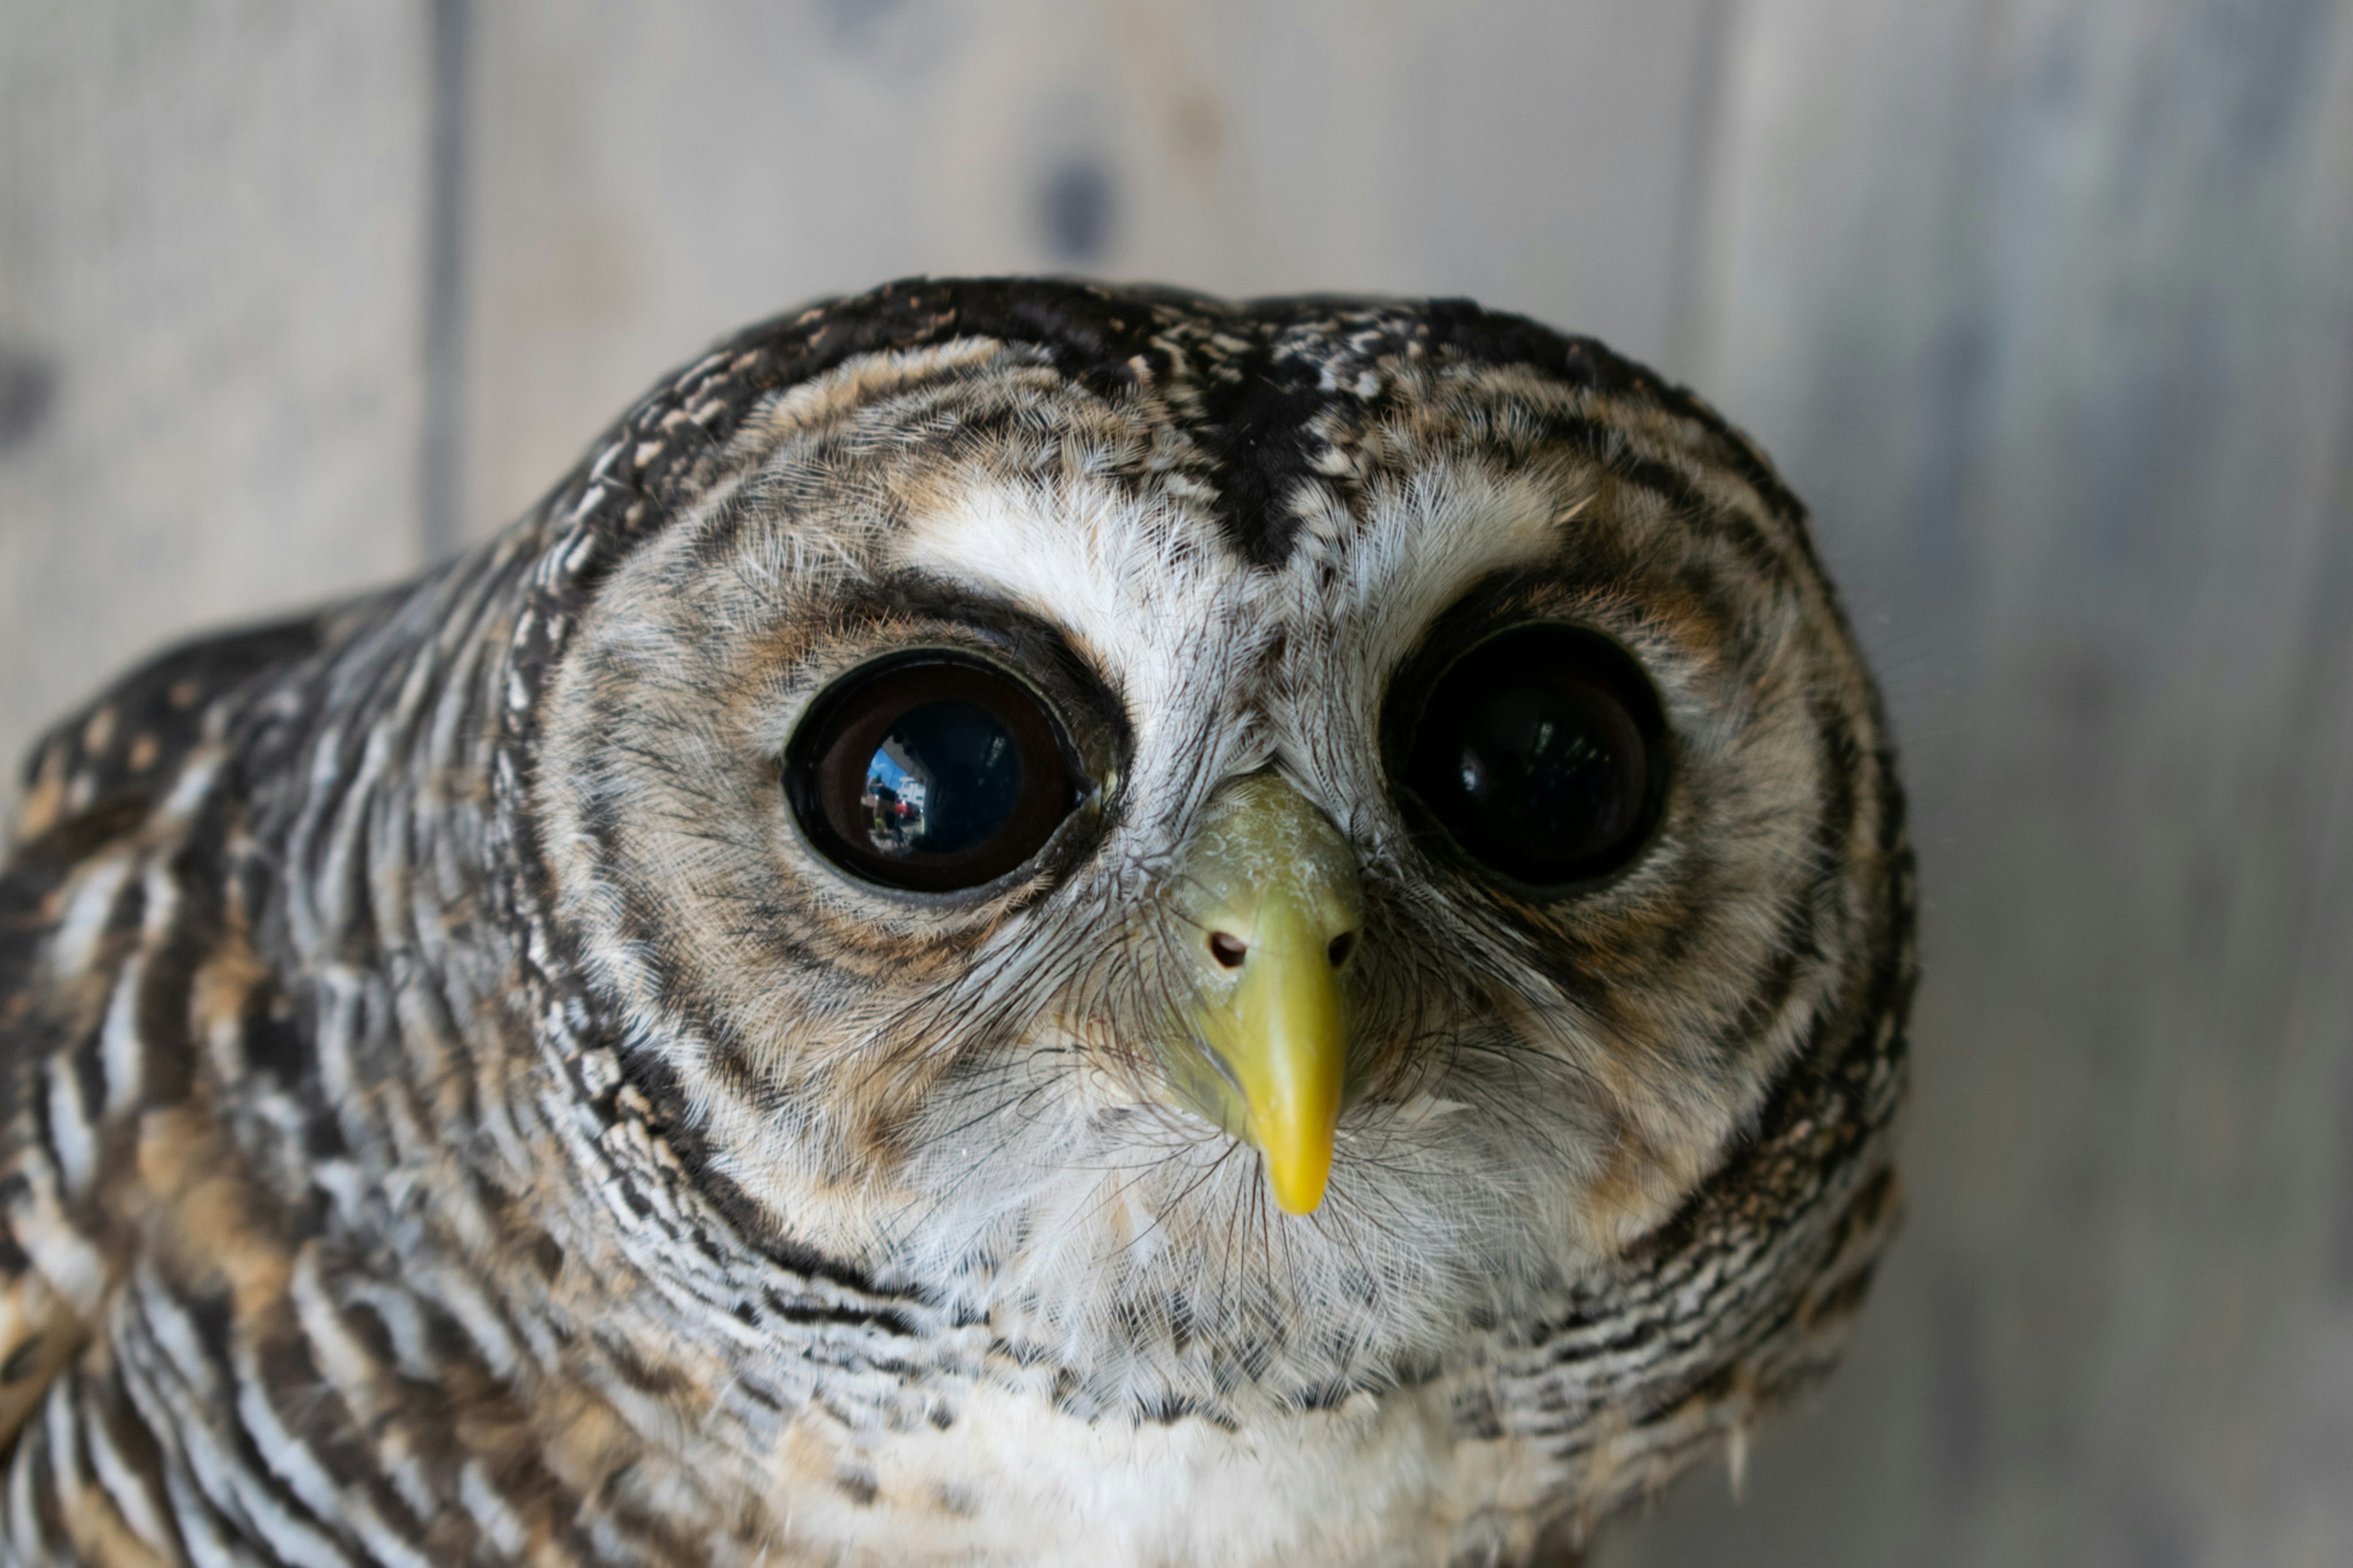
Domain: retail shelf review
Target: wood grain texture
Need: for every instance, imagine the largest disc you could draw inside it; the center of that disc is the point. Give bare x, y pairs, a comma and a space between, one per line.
2048, 309
649, 178
209, 261
2046, 306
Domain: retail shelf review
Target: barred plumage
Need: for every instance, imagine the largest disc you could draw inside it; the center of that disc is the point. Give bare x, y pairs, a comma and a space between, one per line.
453, 1114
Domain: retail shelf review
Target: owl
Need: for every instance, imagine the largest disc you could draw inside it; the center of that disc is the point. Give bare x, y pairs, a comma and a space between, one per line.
1026, 923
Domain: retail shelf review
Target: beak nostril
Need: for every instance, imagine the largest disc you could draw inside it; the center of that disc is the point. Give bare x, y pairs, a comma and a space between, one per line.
1342, 946
1229, 951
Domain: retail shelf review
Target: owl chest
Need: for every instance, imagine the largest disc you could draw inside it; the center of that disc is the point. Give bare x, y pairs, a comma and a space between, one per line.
1386, 1480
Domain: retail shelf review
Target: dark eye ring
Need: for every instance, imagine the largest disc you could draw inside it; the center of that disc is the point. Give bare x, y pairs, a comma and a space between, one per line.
1540, 752
931, 772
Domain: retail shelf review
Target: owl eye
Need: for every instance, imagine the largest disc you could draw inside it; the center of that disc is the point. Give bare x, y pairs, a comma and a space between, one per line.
1541, 752
930, 771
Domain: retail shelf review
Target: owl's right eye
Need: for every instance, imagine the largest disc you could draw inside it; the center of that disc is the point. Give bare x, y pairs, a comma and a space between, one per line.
932, 773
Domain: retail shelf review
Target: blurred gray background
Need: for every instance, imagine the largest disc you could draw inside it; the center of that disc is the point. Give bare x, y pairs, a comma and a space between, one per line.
2045, 305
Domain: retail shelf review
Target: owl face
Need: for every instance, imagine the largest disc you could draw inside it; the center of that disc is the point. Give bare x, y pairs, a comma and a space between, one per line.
1230, 892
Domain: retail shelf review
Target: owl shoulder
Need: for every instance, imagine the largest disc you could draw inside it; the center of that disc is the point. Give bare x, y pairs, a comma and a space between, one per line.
129, 743
95, 927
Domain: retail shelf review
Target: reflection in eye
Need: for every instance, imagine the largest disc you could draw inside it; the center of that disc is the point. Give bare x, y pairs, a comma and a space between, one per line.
943, 777
894, 801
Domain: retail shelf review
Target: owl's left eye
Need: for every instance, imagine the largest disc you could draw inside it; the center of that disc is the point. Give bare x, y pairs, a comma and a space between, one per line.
1541, 754
930, 773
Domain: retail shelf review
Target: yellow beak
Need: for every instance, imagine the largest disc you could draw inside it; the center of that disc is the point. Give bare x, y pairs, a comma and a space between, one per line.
1272, 907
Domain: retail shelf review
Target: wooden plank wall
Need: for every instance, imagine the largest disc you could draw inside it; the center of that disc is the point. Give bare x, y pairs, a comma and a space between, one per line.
210, 322
2046, 305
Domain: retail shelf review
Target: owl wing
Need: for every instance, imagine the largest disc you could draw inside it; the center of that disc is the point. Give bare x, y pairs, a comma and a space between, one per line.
110, 911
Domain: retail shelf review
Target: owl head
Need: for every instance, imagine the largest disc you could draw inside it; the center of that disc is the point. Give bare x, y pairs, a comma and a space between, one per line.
1238, 843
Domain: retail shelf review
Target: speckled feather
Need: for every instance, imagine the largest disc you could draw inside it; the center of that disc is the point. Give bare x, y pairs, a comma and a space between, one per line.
450, 1116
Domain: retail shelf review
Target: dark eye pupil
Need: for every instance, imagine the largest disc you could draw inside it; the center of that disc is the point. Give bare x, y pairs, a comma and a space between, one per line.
1540, 753
930, 771
945, 777
1545, 765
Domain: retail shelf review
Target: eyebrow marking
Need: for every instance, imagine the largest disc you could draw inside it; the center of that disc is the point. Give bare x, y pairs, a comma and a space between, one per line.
1421, 545
1143, 588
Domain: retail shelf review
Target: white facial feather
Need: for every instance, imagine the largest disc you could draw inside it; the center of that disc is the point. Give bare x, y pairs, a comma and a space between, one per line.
1136, 585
